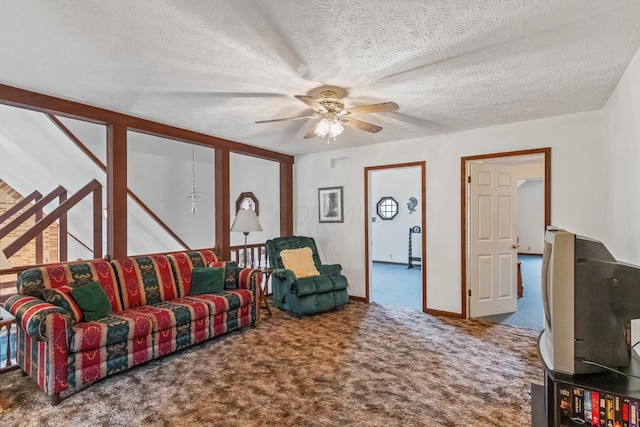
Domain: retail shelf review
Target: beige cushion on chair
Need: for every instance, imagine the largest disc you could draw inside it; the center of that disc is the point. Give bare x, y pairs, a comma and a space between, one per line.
300, 261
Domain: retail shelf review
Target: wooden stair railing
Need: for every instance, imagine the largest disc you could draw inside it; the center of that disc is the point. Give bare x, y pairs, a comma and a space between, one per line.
35, 208
60, 212
37, 211
256, 255
35, 196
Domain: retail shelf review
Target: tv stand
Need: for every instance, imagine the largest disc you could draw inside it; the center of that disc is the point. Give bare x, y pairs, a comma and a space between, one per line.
564, 397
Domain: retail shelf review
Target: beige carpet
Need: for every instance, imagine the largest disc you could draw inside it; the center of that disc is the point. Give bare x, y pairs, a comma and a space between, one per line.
364, 365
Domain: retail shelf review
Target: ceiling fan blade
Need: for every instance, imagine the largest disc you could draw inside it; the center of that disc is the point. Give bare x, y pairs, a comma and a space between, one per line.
311, 102
360, 125
287, 118
312, 131
372, 108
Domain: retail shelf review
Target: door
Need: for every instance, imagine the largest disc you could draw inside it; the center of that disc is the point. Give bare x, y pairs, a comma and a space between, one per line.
388, 280
493, 241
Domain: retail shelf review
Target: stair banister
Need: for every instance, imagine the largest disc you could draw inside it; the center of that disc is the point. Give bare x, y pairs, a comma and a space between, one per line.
92, 187
16, 222
35, 196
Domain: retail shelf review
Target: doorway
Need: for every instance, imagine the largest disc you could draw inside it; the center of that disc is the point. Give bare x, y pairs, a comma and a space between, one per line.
394, 231
481, 280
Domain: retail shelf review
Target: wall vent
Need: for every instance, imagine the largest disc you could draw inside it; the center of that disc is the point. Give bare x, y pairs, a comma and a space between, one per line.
341, 162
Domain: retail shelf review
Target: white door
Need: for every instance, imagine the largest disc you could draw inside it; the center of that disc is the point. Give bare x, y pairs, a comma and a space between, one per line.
493, 240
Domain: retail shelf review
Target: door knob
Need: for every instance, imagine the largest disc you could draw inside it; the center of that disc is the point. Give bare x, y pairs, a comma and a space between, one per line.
516, 246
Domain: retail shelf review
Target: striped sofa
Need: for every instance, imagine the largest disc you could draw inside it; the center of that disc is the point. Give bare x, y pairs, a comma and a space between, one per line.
152, 314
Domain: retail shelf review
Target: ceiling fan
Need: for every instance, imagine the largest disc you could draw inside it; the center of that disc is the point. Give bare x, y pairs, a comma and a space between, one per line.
327, 103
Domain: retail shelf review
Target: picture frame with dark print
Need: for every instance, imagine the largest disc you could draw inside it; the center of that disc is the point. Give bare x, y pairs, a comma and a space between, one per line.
330, 204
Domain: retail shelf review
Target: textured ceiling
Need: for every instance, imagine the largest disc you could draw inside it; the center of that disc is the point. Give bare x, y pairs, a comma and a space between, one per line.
218, 66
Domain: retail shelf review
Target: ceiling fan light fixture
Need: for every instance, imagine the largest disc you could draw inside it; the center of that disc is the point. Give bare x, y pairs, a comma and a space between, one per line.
329, 126
323, 128
335, 128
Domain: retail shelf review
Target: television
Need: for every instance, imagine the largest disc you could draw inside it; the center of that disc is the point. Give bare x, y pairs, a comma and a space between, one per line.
589, 300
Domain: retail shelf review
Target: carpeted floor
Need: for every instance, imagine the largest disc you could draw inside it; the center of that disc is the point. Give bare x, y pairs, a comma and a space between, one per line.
363, 365
395, 284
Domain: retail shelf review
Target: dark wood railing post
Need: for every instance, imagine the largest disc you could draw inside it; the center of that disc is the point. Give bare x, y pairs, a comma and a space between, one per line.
39, 239
286, 198
63, 228
117, 218
222, 204
97, 223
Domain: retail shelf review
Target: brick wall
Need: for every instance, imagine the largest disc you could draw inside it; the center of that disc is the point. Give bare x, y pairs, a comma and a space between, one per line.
27, 255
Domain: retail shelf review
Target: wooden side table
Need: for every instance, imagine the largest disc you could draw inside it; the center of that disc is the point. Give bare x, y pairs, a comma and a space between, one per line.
6, 320
266, 273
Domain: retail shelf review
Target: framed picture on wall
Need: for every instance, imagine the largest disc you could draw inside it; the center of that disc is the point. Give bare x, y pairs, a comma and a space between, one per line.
330, 207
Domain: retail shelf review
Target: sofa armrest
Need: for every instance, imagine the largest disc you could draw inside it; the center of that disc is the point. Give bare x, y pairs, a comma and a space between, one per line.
46, 326
249, 278
31, 315
330, 269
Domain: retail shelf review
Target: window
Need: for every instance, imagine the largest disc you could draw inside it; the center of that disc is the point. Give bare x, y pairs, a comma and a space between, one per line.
387, 208
247, 201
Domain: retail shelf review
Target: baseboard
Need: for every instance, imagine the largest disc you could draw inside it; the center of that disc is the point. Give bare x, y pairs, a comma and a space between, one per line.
429, 311
391, 263
443, 313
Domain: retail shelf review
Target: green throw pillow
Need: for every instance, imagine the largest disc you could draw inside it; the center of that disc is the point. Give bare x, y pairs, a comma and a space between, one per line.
92, 300
207, 281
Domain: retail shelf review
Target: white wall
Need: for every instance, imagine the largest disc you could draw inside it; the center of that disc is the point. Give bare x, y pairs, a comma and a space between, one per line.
262, 178
578, 190
531, 216
390, 238
622, 213
160, 173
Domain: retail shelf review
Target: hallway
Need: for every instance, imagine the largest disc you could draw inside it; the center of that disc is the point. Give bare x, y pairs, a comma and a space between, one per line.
395, 284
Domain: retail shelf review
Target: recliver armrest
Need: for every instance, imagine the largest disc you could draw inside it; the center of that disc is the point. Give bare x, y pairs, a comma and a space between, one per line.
284, 276
330, 269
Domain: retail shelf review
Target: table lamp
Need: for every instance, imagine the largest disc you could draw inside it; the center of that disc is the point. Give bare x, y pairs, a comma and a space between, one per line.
245, 222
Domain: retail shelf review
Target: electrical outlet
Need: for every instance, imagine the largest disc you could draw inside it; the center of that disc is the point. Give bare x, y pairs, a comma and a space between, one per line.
528, 248
390, 256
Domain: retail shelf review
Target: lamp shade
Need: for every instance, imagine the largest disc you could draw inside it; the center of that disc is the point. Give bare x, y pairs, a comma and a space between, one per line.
246, 221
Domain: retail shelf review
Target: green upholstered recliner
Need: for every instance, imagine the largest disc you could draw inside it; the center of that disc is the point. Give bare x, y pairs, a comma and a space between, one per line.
308, 295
